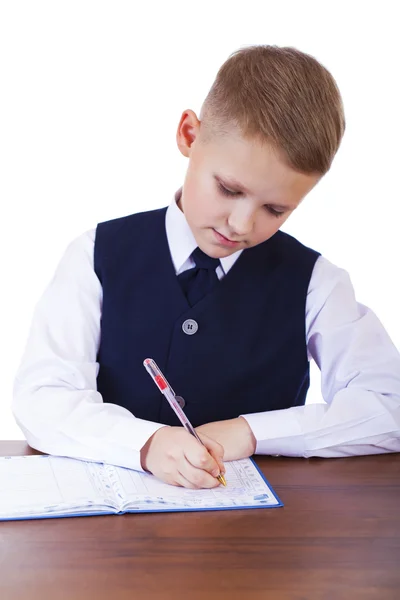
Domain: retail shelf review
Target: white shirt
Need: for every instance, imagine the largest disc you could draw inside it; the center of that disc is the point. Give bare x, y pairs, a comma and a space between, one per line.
58, 408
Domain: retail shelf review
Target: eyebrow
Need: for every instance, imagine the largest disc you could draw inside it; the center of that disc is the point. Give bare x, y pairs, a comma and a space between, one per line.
233, 183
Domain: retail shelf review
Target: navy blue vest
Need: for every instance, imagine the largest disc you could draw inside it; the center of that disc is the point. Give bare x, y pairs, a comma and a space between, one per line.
249, 353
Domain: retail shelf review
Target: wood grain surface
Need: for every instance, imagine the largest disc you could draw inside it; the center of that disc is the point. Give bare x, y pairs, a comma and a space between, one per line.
337, 537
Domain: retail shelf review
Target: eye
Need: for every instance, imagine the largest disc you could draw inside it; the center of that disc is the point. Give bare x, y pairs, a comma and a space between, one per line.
227, 192
231, 194
274, 212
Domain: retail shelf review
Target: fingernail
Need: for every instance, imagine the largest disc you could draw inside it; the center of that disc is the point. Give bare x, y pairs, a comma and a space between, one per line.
216, 472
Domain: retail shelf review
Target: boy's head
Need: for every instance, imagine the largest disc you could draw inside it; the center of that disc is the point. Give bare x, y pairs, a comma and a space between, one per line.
268, 131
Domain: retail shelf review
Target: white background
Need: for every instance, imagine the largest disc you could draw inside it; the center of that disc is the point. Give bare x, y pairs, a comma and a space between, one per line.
91, 93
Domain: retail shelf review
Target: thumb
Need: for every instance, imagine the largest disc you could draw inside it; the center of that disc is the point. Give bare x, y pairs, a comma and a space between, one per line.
215, 449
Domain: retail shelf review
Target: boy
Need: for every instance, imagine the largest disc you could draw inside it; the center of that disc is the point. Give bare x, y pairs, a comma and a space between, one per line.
231, 308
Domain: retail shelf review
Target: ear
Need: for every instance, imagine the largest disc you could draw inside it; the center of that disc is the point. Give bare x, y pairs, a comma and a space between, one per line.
188, 130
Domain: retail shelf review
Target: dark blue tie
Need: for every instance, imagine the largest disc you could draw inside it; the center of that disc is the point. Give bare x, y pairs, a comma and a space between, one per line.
200, 280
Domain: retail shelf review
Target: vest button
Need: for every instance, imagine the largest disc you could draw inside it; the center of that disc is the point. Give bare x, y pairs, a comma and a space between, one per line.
180, 401
190, 326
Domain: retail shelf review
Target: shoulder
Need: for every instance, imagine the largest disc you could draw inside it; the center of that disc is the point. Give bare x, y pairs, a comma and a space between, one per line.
291, 245
328, 275
81, 247
120, 224
297, 257
330, 296
119, 240
323, 271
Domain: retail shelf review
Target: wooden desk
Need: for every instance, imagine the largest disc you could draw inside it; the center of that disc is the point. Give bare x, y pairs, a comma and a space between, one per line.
338, 537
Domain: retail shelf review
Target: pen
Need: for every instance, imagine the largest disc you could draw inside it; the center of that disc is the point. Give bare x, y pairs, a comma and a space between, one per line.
164, 387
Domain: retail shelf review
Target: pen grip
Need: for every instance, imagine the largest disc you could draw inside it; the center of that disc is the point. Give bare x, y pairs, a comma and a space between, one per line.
191, 430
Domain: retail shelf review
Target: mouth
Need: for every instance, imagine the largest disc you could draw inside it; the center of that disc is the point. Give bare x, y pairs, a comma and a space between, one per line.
224, 241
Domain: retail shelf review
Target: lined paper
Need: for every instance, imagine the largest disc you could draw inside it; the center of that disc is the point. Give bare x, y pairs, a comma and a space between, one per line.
39, 486
49, 483
245, 487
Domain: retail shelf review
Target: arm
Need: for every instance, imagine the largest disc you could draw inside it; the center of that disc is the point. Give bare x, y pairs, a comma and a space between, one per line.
235, 436
56, 403
360, 373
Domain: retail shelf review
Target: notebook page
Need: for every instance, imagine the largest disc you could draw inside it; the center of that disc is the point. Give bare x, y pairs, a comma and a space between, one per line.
32, 485
245, 487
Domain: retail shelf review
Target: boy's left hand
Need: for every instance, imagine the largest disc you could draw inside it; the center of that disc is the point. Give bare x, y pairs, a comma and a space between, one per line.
235, 435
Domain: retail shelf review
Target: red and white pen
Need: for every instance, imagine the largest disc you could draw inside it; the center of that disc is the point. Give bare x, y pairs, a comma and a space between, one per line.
164, 387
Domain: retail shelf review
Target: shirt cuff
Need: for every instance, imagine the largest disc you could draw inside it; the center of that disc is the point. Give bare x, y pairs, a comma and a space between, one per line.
277, 432
138, 431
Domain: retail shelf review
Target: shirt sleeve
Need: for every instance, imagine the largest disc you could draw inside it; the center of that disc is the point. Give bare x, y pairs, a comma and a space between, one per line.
360, 380
55, 402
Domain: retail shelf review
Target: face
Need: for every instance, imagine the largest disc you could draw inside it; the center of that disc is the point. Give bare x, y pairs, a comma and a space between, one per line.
237, 193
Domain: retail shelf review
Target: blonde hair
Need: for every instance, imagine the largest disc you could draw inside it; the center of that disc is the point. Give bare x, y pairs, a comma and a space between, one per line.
282, 97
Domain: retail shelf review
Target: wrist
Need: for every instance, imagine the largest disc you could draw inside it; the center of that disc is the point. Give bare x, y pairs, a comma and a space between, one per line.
146, 450
235, 436
247, 430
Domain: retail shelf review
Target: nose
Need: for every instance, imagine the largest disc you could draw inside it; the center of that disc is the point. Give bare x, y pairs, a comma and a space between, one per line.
241, 220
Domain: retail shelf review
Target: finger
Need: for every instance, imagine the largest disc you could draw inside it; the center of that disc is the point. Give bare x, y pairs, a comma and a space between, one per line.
178, 480
199, 478
219, 461
183, 482
198, 455
216, 451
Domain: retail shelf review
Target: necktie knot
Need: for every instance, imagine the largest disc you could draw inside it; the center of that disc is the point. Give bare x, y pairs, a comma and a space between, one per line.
198, 281
203, 261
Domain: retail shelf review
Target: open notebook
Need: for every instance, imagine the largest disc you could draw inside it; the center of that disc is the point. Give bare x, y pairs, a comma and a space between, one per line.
41, 486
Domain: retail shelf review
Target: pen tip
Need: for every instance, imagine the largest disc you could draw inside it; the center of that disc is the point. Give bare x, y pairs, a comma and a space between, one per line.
221, 479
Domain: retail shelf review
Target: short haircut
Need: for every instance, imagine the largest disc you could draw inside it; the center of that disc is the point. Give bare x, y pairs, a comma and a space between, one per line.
282, 97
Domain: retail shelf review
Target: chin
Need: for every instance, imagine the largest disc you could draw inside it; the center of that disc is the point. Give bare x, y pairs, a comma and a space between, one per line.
212, 251
216, 252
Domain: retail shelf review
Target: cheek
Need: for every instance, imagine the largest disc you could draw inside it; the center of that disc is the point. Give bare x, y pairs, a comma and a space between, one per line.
198, 209
210, 208
266, 229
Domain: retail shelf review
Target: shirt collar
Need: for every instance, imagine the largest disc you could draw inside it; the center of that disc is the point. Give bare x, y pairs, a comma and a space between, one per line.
181, 240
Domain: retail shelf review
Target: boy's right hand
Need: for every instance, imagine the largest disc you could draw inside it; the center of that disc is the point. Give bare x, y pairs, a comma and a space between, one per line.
175, 456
